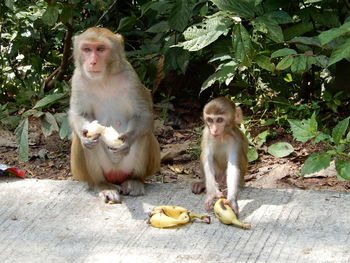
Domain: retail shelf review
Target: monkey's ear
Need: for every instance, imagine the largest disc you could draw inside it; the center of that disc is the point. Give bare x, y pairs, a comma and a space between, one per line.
238, 115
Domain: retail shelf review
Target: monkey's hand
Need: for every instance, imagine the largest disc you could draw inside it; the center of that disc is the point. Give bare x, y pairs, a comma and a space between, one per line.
210, 198
233, 204
122, 149
89, 143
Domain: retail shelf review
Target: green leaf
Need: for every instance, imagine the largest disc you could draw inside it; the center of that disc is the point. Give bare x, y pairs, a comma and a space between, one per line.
280, 17
252, 154
297, 30
272, 28
50, 15
329, 35
343, 169
241, 43
265, 63
126, 23
67, 14
226, 71
339, 52
176, 58
203, 34
261, 138
180, 15
49, 124
65, 130
285, 63
339, 130
22, 140
280, 149
321, 137
162, 26
299, 64
283, 52
48, 100
316, 162
308, 41
239, 7
305, 129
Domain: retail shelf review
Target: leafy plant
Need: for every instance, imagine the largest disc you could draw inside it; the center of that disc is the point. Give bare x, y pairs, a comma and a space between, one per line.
337, 142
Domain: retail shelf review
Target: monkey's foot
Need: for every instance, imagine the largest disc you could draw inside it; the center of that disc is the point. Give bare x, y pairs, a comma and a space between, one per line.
110, 196
133, 188
198, 188
233, 204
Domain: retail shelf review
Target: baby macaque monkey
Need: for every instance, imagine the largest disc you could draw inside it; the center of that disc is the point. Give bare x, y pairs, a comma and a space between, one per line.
224, 152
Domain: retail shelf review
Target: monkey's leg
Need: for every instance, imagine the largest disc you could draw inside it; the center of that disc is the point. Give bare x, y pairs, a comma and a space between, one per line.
198, 188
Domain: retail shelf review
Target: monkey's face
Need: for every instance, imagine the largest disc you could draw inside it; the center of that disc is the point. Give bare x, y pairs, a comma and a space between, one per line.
94, 58
216, 124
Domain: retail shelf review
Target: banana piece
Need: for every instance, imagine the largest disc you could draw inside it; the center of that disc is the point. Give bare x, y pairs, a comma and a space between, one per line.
94, 129
111, 137
226, 215
173, 216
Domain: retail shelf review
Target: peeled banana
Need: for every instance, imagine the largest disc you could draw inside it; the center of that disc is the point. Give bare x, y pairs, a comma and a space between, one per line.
226, 215
172, 216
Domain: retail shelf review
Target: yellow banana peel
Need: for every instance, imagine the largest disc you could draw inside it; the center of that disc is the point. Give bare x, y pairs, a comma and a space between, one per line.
226, 215
173, 216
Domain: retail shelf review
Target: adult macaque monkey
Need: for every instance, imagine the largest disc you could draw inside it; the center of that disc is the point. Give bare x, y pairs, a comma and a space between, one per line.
106, 88
224, 152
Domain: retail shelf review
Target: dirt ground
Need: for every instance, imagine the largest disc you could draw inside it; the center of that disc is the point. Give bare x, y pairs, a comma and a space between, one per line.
179, 141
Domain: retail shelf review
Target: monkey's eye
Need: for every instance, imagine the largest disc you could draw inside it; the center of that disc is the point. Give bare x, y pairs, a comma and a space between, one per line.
220, 120
86, 49
101, 49
209, 120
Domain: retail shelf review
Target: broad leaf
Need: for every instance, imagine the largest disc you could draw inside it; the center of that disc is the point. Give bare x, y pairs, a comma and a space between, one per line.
50, 16
305, 129
241, 43
316, 162
226, 71
297, 30
339, 130
65, 130
285, 63
308, 41
280, 149
180, 15
299, 64
280, 17
49, 124
261, 138
252, 154
272, 28
239, 7
203, 34
265, 63
339, 52
22, 140
343, 169
321, 137
329, 35
162, 26
283, 52
48, 100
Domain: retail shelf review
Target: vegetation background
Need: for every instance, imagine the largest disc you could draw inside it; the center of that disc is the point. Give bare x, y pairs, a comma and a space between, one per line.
285, 62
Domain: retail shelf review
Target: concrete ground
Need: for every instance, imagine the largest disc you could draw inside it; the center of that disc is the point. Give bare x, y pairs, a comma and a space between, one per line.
59, 221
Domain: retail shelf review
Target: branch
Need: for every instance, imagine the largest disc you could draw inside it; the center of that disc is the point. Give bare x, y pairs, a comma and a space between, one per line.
58, 74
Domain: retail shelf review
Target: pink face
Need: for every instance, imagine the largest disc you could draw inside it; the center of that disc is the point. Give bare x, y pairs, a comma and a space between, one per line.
216, 124
95, 55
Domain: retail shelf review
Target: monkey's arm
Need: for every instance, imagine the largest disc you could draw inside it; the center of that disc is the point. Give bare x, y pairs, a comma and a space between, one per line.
79, 122
233, 179
210, 182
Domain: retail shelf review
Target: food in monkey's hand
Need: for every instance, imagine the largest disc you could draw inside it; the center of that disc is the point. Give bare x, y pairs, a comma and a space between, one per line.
94, 129
167, 216
226, 215
111, 137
